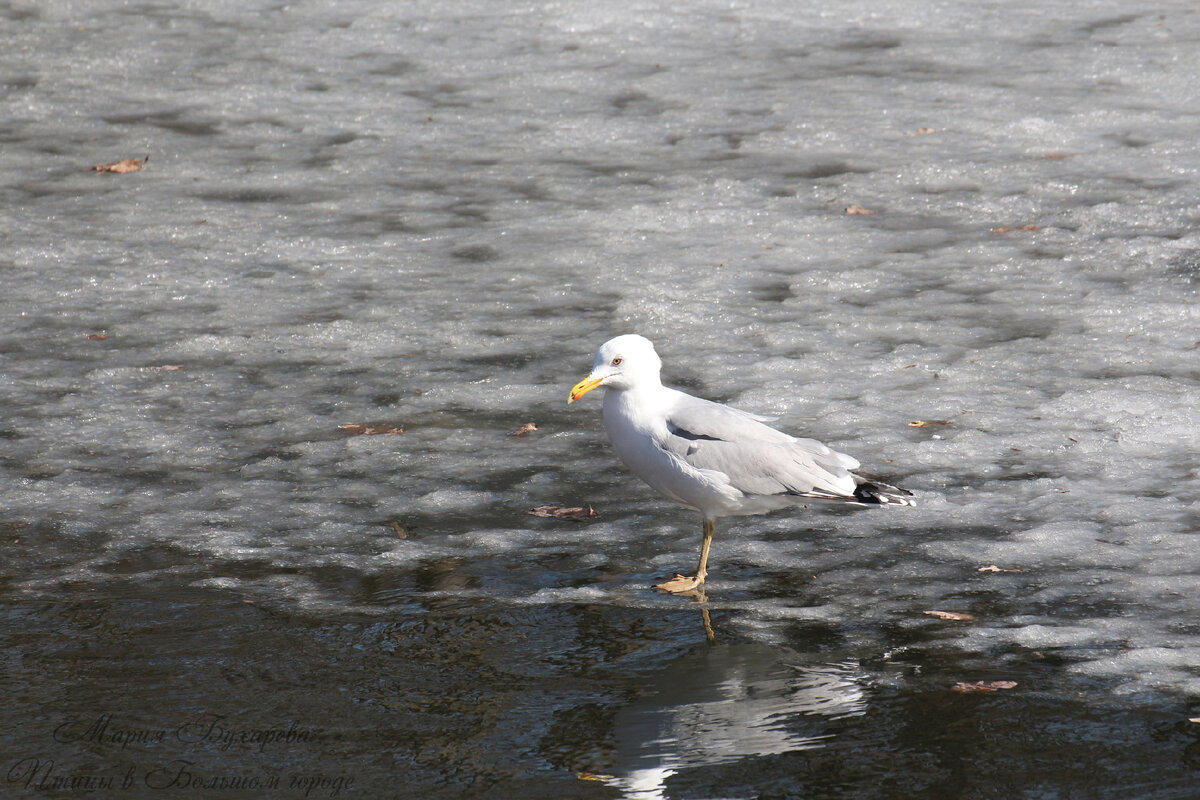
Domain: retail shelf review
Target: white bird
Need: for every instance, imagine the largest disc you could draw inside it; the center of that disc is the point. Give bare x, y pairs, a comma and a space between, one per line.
713, 458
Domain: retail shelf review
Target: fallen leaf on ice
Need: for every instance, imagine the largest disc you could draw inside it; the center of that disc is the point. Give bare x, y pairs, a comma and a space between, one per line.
994, 568
359, 429
524, 430
858, 210
1022, 228
954, 615
96, 337
928, 423
981, 686
577, 513
399, 529
122, 166
921, 132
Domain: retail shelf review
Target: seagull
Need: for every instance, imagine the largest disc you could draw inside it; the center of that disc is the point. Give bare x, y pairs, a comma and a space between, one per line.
709, 457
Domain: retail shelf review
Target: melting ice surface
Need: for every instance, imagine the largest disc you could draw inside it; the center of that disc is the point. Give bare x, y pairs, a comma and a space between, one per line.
430, 216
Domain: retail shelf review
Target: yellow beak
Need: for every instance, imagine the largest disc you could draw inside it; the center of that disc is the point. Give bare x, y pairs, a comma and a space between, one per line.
583, 387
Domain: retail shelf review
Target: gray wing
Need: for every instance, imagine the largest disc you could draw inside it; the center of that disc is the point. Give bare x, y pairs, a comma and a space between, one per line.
757, 459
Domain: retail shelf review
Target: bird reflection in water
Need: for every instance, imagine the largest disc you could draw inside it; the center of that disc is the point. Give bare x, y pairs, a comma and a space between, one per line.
723, 703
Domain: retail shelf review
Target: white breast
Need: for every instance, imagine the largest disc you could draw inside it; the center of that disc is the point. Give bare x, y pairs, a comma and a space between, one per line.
635, 421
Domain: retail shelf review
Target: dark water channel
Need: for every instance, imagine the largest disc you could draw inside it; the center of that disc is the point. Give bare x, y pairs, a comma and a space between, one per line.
162, 691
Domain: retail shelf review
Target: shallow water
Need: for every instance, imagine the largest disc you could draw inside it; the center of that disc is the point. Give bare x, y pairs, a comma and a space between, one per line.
428, 218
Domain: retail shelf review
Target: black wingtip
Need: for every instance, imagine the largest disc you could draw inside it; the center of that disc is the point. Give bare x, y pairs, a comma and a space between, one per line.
873, 490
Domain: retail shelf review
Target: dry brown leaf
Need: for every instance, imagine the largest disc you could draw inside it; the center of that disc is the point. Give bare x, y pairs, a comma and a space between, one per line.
994, 568
929, 423
957, 616
577, 513
96, 337
589, 776
858, 210
1022, 228
974, 687
524, 430
359, 429
42, 471
921, 132
1056, 156
122, 166
399, 529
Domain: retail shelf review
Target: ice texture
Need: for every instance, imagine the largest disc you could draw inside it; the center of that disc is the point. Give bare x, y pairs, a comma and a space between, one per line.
430, 216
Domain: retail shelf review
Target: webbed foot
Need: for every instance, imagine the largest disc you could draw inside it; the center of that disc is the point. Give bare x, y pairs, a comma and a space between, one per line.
681, 583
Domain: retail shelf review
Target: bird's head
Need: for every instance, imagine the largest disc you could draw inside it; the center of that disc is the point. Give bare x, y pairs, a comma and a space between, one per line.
621, 363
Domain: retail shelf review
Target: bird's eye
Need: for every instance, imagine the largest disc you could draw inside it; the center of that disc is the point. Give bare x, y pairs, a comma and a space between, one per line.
616, 362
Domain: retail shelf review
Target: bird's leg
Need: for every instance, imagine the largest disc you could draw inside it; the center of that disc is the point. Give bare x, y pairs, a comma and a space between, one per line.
684, 583
710, 527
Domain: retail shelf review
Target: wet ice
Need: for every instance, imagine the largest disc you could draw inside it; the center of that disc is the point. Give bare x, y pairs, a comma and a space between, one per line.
431, 218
